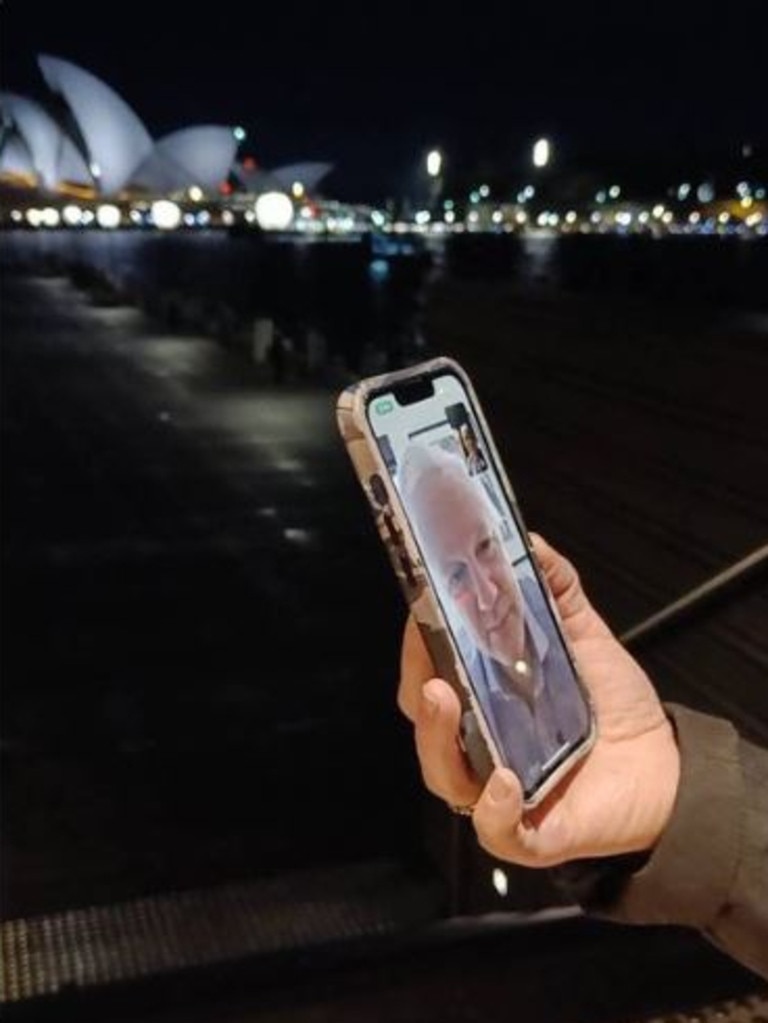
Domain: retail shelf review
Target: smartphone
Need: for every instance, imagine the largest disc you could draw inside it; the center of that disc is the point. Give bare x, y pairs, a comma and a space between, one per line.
422, 450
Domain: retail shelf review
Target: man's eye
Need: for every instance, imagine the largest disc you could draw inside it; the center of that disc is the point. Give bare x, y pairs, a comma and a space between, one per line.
457, 578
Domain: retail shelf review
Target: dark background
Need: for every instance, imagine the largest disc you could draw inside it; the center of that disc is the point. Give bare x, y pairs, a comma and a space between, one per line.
647, 91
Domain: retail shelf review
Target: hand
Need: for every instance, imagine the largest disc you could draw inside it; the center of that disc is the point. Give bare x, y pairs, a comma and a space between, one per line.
617, 800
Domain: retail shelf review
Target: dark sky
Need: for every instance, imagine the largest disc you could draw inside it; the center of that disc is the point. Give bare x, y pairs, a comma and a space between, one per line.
370, 86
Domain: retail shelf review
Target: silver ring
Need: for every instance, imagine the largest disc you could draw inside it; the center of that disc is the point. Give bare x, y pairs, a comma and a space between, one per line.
463, 811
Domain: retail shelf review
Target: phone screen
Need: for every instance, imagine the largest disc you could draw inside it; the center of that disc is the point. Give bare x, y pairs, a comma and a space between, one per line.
473, 550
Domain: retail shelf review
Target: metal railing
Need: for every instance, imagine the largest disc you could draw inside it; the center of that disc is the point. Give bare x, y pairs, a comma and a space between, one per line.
696, 598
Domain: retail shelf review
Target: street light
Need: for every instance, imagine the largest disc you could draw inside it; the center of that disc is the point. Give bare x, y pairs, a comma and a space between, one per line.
435, 176
542, 152
434, 163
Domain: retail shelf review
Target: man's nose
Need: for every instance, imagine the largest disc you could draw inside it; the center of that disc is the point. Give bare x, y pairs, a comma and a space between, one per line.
485, 588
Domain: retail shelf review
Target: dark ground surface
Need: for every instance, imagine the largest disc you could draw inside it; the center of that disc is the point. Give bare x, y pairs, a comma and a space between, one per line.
184, 557
200, 631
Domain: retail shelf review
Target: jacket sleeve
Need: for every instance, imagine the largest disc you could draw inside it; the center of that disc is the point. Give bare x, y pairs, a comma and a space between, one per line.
710, 868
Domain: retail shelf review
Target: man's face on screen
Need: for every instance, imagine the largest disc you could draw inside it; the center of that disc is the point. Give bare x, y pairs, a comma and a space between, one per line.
464, 549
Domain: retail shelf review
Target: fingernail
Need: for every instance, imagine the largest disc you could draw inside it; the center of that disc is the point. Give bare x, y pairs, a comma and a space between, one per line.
499, 788
430, 706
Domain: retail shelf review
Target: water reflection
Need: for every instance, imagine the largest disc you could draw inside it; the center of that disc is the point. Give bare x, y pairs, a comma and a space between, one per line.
339, 309
539, 265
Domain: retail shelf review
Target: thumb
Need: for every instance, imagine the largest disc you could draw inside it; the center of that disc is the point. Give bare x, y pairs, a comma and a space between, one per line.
540, 838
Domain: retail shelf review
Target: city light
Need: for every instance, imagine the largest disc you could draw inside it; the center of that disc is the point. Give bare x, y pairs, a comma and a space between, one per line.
434, 163
72, 215
297, 190
542, 153
239, 133
614, 191
195, 193
108, 216
274, 211
50, 217
166, 215
705, 192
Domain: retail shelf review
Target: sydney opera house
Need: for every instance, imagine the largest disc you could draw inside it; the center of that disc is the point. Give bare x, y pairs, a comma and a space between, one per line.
85, 145
88, 143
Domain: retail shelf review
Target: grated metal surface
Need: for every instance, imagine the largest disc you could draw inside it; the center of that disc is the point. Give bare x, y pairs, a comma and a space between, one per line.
100, 945
753, 1009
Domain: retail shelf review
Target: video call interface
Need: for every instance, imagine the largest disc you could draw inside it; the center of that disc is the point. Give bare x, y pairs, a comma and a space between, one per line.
406, 436
531, 699
445, 421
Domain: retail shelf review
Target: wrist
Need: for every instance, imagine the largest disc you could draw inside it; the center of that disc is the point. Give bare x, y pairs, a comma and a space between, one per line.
662, 785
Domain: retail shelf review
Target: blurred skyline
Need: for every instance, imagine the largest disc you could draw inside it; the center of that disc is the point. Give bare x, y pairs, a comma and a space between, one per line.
644, 92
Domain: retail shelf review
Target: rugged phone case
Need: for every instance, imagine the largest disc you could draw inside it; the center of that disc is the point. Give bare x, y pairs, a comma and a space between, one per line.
398, 538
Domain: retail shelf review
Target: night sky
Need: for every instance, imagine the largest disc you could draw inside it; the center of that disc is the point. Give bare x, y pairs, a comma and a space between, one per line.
629, 87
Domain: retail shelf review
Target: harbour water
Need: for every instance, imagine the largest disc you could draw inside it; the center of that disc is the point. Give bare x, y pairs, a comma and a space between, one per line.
359, 304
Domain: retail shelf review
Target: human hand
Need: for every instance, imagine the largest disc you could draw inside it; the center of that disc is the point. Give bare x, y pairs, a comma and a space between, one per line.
617, 800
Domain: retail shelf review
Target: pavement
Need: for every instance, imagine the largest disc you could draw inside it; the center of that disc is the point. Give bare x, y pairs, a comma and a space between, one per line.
193, 687
200, 655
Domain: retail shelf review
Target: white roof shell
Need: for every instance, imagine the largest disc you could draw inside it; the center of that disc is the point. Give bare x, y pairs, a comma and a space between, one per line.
53, 155
201, 155
15, 157
117, 140
309, 174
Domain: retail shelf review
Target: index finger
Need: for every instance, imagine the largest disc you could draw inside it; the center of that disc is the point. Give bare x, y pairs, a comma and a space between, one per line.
416, 668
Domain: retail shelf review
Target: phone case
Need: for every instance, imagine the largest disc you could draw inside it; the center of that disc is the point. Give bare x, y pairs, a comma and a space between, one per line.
397, 536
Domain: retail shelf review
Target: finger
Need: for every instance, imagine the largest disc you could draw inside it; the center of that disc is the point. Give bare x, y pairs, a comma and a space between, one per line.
443, 765
562, 577
565, 584
415, 669
539, 838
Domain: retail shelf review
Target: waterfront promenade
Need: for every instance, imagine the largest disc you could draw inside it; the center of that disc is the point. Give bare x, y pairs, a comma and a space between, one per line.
201, 631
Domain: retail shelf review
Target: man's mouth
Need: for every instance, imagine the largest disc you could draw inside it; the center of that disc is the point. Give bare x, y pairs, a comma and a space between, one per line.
500, 620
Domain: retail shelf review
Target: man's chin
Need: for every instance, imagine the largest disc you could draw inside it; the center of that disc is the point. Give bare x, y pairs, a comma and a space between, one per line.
495, 653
